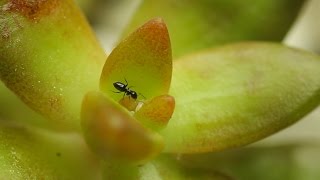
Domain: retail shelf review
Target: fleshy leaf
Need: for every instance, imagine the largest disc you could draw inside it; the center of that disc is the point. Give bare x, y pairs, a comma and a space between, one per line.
29, 153
238, 94
199, 24
12, 109
143, 60
129, 103
49, 57
156, 112
113, 134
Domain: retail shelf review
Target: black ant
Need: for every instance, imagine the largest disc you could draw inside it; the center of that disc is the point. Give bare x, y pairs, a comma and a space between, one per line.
122, 88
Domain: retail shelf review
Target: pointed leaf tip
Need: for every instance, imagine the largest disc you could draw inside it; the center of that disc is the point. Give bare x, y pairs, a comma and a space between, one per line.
156, 112
143, 60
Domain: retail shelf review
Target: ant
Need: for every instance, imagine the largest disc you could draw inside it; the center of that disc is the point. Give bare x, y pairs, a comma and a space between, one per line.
122, 88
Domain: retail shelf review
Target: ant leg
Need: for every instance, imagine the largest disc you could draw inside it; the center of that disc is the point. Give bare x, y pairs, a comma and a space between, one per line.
127, 85
142, 96
126, 81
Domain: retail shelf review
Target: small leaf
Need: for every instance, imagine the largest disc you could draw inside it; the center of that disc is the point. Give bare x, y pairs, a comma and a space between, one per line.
129, 103
238, 94
143, 60
156, 112
113, 134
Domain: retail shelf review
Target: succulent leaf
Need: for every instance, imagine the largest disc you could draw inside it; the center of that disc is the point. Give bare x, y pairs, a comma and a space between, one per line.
157, 112
238, 94
143, 60
114, 134
49, 57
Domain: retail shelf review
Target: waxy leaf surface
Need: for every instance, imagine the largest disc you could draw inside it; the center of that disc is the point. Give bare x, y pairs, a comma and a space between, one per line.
49, 57
143, 60
238, 94
114, 134
156, 112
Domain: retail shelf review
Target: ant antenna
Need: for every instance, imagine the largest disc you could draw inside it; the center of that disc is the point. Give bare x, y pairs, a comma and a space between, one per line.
128, 83
142, 96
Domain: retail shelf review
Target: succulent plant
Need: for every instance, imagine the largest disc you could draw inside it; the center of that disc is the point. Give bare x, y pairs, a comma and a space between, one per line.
149, 109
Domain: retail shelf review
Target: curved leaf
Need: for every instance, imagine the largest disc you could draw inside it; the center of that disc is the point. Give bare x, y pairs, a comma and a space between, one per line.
238, 94
49, 57
114, 134
13, 109
143, 60
156, 112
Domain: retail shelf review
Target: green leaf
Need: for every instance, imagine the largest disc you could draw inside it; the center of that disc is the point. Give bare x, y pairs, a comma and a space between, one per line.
143, 60
30, 153
114, 134
49, 57
238, 94
198, 24
13, 109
